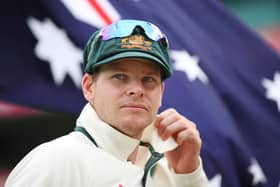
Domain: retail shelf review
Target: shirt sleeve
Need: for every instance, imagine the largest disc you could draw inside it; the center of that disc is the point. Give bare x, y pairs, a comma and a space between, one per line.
197, 178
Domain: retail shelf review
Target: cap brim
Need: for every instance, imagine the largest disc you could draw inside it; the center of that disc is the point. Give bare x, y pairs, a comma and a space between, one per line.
134, 54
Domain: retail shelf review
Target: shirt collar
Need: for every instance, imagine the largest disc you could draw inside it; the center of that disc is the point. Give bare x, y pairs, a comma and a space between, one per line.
106, 137
115, 142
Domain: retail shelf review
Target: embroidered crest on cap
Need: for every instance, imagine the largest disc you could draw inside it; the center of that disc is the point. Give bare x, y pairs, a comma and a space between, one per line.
136, 41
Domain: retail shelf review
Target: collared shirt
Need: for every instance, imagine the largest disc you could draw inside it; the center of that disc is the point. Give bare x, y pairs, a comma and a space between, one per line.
73, 160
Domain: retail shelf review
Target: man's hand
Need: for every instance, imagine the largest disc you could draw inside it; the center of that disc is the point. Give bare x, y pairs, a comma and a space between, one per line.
185, 158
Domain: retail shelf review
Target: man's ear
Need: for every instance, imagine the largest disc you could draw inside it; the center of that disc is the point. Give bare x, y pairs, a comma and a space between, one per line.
162, 87
87, 87
162, 91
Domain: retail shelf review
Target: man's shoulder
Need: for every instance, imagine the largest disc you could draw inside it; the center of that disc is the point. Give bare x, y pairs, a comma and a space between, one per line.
50, 149
46, 162
63, 151
67, 145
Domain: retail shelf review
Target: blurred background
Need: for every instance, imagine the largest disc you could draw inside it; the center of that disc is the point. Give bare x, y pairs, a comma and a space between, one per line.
22, 127
262, 16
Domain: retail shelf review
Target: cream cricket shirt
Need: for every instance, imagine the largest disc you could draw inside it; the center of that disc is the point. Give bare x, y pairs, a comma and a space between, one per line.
73, 160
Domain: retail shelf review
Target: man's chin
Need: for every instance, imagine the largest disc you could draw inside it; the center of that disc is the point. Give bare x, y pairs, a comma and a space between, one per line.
136, 121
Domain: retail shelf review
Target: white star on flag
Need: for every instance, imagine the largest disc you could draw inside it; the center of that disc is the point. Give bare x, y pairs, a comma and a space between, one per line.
257, 173
55, 47
273, 88
188, 64
216, 181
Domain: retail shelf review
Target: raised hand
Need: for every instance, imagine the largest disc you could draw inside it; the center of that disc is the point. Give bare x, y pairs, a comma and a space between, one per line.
185, 158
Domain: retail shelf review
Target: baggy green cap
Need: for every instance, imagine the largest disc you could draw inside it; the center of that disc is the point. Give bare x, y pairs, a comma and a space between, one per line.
137, 45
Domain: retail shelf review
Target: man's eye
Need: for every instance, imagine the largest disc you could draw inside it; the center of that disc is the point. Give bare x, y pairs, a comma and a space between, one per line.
120, 76
148, 79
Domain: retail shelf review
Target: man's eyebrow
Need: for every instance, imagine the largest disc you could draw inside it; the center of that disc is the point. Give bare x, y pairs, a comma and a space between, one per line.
117, 69
113, 67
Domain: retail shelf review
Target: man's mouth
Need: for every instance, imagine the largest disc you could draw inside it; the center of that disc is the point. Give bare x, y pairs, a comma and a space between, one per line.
134, 106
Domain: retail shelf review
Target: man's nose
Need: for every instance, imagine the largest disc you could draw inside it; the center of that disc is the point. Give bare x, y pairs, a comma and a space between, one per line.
136, 89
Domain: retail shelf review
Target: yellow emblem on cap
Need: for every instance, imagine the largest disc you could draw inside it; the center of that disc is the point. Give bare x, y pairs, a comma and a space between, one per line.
136, 41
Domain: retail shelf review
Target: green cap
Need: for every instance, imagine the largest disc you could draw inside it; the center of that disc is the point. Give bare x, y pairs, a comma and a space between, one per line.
137, 45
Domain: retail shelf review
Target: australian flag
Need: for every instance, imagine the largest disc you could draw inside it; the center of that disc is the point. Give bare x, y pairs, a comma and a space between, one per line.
226, 79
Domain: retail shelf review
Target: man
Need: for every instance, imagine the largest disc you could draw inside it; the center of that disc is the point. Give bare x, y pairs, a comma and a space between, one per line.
120, 139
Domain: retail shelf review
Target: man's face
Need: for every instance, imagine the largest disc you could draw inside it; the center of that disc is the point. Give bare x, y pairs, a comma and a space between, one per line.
127, 94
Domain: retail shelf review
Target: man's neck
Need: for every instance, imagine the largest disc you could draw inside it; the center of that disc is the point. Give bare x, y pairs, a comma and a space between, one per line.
132, 157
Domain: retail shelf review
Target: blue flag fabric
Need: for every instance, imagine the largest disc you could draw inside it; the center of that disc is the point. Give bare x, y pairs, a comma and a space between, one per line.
226, 79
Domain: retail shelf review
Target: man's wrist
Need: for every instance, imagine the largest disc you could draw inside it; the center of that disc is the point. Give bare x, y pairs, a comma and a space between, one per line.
189, 167
197, 177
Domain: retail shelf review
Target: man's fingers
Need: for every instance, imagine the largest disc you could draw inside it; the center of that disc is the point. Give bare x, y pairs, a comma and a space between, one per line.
172, 130
170, 123
190, 136
165, 121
